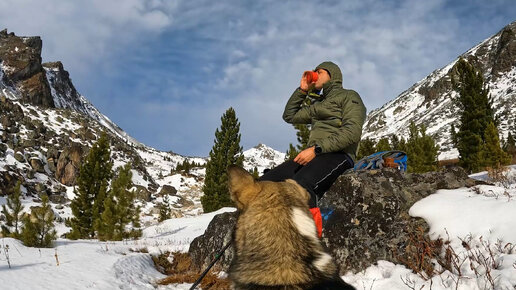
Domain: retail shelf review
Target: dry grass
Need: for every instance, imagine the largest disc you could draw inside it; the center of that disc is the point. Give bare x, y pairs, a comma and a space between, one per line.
180, 271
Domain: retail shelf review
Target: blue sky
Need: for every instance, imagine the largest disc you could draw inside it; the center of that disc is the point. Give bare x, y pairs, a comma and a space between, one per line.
166, 71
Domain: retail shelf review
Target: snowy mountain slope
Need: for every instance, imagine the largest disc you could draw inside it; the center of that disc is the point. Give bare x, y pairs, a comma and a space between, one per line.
42, 145
430, 101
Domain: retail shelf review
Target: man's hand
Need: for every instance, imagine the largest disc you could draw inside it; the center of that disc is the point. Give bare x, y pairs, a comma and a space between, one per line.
305, 156
303, 84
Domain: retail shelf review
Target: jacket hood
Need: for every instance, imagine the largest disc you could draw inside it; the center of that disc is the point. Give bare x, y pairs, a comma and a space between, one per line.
333, 69
335, 76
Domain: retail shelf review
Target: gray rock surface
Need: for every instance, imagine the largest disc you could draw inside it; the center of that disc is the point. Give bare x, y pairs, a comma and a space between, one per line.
369, 219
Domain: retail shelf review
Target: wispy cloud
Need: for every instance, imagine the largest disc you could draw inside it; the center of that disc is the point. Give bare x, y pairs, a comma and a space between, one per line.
166, 72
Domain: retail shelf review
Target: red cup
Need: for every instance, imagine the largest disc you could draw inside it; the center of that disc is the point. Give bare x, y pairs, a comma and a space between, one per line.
311, 76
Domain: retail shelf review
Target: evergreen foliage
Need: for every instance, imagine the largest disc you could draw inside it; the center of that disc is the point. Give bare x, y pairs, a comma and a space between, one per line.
119, 209
185, 166
492, 154
395, 143
383, 145
476, 114
510, 147
303, 135
255, 173
422, 152
12, 212
38, 227
92, 184
226, 151
366, 148
164, 209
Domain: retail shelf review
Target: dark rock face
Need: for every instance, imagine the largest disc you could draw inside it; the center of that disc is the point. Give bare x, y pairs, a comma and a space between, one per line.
21, 58
68, 164
369, 217
167, 189
204, 248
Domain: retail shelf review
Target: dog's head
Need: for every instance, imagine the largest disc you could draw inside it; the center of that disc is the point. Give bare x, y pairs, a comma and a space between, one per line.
243, 188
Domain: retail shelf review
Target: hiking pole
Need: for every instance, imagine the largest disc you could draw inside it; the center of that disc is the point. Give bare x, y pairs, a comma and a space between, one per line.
217, 257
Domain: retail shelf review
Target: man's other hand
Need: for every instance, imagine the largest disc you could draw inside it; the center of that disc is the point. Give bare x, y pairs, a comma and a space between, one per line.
305, 156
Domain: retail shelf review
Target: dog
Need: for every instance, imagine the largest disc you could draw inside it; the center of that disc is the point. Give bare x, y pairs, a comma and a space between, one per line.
275, 238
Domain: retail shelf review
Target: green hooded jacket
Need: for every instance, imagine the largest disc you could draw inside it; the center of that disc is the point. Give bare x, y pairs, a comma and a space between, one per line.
336, 117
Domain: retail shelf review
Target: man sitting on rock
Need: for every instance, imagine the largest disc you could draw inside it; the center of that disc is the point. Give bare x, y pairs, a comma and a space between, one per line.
336, 116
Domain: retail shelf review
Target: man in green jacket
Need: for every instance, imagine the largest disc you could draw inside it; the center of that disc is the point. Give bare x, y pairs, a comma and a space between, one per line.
336, 116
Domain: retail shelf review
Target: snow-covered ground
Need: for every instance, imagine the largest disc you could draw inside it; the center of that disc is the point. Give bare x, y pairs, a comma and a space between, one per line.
483, 218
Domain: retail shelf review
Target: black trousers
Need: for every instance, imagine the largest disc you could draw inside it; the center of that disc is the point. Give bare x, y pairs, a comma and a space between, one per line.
316, 177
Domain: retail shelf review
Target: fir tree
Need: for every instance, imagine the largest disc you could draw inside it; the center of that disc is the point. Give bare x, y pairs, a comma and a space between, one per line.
119, 209
303, 135
255, 173
476, 114
422, 152
510, 147
12, 211
164, 209
395, 142
38, 228
383, 145
492, 154
226, 151
92, 184
366, 148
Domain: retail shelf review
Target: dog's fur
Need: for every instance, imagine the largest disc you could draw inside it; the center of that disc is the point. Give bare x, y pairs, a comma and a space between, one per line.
275, 238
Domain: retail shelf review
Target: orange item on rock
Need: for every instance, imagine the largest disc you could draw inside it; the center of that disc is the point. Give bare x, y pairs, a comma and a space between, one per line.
316, 213
311, 76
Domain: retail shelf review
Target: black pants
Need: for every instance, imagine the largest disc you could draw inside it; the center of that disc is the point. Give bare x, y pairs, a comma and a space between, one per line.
316, 177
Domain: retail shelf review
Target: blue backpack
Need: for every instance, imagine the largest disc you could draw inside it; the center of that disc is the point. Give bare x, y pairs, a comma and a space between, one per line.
376, 160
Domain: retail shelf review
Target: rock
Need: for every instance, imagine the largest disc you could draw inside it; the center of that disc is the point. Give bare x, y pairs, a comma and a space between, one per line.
21, 59
142, 193
204, 248
31, 174
167, 190
19, 157
369, 218
57, 198
68, 164
40, 187
37, 165
3, 148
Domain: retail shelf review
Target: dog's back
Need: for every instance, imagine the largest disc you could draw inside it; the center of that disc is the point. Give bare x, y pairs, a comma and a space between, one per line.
275, 238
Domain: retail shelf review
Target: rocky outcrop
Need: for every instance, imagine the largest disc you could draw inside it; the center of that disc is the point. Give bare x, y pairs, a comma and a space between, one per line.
20, 58
68, 164
366, 217
167, 190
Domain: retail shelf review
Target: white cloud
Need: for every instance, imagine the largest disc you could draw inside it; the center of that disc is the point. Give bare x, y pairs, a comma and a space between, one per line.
260, 49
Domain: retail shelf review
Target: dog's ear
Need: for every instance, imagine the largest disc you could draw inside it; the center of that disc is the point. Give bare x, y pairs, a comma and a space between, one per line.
242, 186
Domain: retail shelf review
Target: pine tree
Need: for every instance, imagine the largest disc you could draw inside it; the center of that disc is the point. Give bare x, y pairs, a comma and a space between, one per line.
38, 229
255, 173
92, 185
422, 152
476, 114
366, 148
226, 151
395, 142
510, 147
492, 154
383, 145
12, 211
119, 209
164, 209
303, 135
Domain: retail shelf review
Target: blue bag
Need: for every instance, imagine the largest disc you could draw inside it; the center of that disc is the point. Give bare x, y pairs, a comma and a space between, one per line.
376, 160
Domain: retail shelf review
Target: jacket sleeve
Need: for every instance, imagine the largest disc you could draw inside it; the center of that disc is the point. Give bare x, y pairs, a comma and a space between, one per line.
353, 118
294, 112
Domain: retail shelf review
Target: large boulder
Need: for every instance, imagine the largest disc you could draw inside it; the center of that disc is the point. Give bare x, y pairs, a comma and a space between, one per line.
204, 248
366, 217
68, 164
